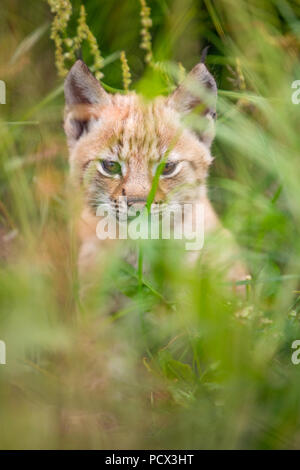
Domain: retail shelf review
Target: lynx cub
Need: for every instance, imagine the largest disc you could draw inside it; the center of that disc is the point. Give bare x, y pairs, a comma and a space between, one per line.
117, 141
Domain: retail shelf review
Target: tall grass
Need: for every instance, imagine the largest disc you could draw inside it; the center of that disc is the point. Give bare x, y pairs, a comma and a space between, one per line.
157, 356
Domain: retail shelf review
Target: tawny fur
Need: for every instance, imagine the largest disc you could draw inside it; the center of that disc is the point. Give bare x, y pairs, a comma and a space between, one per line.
138, 135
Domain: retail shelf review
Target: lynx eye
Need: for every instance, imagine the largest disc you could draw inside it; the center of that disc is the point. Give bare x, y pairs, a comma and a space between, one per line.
169, 169
109, 167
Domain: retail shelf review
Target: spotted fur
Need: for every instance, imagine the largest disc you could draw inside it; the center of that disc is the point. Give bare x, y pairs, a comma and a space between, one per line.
138, 135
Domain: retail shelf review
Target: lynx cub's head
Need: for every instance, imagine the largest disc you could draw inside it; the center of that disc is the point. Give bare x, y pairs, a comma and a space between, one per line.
117, 141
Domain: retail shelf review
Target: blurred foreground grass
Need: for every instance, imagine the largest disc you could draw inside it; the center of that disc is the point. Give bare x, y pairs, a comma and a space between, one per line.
185, 363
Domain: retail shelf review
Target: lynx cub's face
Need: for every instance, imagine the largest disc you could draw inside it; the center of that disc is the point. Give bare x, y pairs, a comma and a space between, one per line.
117, 141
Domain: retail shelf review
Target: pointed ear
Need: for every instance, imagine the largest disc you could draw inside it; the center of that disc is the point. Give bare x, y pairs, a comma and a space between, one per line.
83, 94
197, 92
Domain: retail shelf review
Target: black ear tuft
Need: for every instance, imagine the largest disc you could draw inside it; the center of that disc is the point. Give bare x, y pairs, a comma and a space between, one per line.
204, 54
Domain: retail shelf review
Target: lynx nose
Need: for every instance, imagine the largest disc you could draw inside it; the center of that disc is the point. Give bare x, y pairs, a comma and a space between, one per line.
135, 205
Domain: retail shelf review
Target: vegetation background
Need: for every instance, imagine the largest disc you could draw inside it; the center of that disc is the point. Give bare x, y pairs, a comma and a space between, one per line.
183, 363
